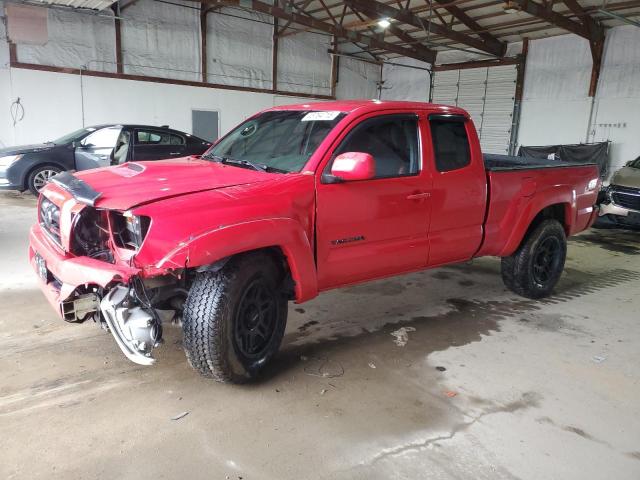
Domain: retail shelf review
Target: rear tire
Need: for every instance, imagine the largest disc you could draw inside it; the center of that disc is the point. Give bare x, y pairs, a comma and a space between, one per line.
535, 268
234, 319
40, 176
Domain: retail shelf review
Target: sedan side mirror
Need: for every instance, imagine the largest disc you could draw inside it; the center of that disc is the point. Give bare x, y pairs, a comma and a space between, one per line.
353, 166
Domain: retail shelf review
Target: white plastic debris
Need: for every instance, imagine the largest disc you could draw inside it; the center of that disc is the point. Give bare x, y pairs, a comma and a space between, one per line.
372, 365
402, 335
180, 415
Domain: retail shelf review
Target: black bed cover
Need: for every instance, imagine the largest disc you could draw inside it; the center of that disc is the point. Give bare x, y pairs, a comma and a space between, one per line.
495, 162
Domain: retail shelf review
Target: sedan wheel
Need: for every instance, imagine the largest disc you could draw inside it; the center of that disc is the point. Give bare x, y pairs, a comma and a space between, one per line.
40, 176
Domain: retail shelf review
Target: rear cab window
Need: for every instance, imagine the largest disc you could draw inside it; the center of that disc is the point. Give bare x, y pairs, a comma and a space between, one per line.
451, 149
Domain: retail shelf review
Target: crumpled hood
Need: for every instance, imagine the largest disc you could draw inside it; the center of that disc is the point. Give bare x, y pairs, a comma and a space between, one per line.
131, 184
26, 149
627, 177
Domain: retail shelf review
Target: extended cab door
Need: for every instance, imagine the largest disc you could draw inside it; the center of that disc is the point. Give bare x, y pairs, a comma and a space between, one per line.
375, 228
459, 192
157, 145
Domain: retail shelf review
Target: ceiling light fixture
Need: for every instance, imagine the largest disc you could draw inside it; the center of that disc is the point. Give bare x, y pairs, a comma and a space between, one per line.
511, 7
384, 23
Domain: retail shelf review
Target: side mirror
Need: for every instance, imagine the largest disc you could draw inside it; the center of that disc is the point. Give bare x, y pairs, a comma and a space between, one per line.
352, 166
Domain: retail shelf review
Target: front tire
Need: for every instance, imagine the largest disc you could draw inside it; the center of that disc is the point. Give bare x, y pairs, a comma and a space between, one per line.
39, 177
234, 319
535, 268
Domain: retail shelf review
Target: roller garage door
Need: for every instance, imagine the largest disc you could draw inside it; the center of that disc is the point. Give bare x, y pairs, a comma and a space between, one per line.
488, 94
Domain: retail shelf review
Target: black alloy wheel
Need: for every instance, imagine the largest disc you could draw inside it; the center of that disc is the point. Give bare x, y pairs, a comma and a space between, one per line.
256, 319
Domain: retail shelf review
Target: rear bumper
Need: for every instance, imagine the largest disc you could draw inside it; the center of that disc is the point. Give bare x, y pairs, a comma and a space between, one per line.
67, 272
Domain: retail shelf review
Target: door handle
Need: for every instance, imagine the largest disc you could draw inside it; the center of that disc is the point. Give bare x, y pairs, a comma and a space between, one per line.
418, 196
175, 153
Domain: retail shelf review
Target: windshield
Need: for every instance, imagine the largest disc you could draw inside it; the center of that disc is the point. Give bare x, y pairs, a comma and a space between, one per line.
635, 163
71, 137
277, 140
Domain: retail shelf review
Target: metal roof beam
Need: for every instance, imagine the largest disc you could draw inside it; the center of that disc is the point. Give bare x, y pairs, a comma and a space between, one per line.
473, 25
547, 14
380, 10
338, 31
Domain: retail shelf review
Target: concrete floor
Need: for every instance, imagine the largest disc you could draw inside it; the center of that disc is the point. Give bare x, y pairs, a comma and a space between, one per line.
488, 386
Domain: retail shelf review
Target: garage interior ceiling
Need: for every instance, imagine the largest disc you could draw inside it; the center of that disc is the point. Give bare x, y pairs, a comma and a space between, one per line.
421, 28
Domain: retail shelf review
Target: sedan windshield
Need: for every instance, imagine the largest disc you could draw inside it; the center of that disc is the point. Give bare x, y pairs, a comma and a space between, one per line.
635, 163
72, 137
277, 140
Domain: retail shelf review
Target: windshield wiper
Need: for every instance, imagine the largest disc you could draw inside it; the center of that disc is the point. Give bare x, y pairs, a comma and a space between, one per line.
260, 167
247, 163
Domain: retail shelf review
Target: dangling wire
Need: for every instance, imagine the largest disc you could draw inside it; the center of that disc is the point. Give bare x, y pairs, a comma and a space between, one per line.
16, 110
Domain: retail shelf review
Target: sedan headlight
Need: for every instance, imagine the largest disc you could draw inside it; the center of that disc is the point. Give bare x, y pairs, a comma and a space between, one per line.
9, 159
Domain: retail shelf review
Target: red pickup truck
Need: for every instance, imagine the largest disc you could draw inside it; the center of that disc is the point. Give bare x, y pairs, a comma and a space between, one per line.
294, 201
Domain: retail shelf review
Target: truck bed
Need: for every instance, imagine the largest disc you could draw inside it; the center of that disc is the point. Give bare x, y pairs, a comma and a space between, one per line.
520, 187
497, 163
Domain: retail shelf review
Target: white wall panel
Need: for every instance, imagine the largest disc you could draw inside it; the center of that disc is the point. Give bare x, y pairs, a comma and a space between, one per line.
618, 121
401, 83
558, 67
556, 108
279, 100
74, 40
304, 64
6, 124
553, 121
48, 112
53, 111
239, 50
357, 79
620, 76
617, 110
161, 40
555, 105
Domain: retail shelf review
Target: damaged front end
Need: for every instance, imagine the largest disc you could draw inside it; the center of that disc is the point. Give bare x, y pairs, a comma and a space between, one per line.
133, 313
137, 329
84, 257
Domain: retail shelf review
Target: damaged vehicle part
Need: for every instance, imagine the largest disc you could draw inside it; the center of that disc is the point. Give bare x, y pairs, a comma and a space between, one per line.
620, 201
136, 328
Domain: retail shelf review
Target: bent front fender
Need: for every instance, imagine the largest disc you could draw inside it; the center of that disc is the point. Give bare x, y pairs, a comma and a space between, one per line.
228, 240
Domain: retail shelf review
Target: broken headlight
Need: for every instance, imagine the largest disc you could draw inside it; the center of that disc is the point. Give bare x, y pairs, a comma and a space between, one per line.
91, 235
129, 230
